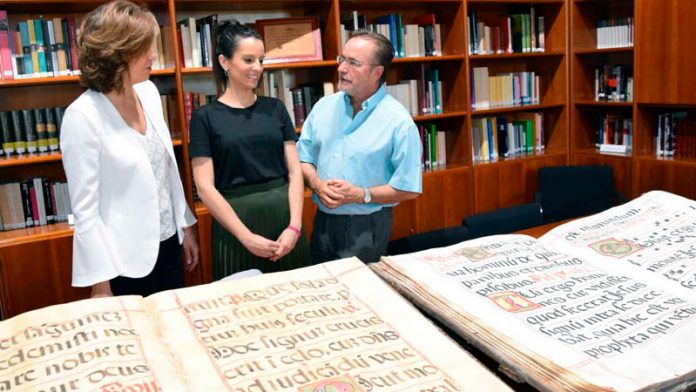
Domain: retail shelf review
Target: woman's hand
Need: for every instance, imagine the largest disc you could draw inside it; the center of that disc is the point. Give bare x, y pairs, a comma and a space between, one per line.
260, 246
287, 240
101, 290
191, 249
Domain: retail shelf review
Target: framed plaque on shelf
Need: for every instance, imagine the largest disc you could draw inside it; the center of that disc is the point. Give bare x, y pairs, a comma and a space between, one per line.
291, 39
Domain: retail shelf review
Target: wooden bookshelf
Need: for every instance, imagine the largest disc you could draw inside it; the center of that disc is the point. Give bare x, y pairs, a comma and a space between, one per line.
586, 112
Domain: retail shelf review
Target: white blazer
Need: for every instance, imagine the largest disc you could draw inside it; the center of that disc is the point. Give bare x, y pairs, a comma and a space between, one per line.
113, 192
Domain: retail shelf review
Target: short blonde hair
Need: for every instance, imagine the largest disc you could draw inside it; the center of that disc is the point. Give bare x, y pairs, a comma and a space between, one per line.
110, 36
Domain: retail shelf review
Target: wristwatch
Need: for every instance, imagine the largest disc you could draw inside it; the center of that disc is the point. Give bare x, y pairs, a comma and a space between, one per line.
367, 198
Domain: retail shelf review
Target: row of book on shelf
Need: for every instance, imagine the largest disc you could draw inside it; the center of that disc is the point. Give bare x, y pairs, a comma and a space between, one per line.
503, 137
675, 135
614, 133
434, 145
615, 33
613, 83
519, 32
30, 131
504, 89
39, 47
33, 202
419, 37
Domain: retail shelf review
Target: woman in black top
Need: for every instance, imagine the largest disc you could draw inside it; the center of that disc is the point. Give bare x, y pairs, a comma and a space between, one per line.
245, 163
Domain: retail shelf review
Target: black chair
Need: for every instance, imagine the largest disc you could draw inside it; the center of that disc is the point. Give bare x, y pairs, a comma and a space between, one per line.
431, 239
572, 191
504, 220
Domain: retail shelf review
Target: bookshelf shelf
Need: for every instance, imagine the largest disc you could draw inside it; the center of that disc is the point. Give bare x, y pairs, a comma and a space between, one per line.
512, 109
600, 104
427, 59
29, 159
39, 81
504, 56
596, 152
595, 51
33, 234
430, 117
522, 157
532, 2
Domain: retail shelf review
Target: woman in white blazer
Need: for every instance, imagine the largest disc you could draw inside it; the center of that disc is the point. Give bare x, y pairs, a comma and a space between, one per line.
132, 223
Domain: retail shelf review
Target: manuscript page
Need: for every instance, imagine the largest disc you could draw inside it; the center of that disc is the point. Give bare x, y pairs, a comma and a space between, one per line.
655, 233
104, 344
332, 324
562, 322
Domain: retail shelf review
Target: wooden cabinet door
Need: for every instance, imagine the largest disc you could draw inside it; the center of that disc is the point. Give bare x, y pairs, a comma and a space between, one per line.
446, 199
37, 274
671, 176
665, 58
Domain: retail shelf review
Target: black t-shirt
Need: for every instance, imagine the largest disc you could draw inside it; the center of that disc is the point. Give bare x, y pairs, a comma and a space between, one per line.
246, 145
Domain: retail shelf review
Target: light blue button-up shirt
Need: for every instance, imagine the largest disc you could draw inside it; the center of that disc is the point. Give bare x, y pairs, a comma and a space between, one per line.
380, 145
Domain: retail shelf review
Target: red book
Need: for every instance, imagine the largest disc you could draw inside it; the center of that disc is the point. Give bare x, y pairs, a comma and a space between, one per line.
72, 38
5, 54
34, 204
188, 106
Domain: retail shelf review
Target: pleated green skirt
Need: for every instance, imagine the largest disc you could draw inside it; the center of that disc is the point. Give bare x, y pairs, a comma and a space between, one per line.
264, 209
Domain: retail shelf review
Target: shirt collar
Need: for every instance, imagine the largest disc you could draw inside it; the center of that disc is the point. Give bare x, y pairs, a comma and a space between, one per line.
373, 100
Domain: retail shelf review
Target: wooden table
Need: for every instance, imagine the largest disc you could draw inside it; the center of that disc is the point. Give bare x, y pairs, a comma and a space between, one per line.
538, 231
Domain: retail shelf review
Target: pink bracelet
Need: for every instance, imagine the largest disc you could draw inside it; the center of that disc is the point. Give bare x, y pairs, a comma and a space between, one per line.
295, 229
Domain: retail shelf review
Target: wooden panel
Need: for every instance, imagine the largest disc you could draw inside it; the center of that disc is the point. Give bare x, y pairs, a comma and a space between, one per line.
673, 176
404, 219
430, 206
204, 237
509, 183
458, 197
621, 166
37, 274
446, 199
664, 52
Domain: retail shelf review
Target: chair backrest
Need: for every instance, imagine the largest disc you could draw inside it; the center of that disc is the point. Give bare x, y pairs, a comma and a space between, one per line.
572, 191
431, 239
504, 220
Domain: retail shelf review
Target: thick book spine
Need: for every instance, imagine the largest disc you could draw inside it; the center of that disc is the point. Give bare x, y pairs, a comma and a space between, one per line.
42, 47
60, 46
34, 204
30, 130
58, 111
298, 107
26, 203
19, 135
8, 145
72, 38
51, 128
68, 48
49, 205
40, 126
28, 62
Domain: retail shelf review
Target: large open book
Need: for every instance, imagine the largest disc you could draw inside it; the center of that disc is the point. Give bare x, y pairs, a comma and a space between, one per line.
601, 303
331, 327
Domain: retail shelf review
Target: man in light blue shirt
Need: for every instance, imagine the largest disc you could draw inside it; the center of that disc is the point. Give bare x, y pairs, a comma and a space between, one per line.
360, 154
